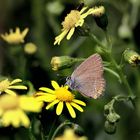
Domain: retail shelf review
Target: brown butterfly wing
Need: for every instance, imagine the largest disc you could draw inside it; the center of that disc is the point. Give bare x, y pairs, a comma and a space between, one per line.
88, 77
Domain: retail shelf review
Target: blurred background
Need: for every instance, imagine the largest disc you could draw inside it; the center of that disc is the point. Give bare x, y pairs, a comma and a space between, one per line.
43, 18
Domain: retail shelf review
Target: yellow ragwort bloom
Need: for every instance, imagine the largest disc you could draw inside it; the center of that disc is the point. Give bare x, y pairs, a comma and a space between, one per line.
60, 95
15, 37
7, 87
74, 19
70, 135
13, 108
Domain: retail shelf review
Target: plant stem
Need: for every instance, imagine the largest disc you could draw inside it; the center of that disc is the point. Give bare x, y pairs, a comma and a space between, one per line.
97, 40
32, 137
122, 75
53, 125
59, 127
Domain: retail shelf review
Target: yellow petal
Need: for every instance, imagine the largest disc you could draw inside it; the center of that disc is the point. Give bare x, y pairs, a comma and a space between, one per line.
52, 104
7, 118
39, 94
83, 9
17, 30
1, 112
66, 87
24, 32
80, 22
8, 91
24, 119
90, 11
16, 119
71, 110
3, 36
30, 104
46, 98
70, 33
77, 107
48, 90
79, 102
59, 108
17, 87
15, 81
55, 85
11, 117
60, 37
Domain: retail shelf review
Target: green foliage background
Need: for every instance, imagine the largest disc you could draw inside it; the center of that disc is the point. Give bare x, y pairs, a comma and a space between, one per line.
44, 24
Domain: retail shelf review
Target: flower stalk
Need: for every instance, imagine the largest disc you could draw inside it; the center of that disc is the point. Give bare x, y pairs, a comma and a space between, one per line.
60, 127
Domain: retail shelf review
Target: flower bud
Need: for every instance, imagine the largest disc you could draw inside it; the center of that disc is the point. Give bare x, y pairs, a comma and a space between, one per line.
30, 48
100, 17
113, 117
124, 30
110, 128
132, 57
54, 7
62, 62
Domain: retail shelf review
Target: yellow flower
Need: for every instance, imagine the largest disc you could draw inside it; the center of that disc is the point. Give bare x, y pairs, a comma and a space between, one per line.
70, 135
15, 37
13, 108
7, 87
60, 95
74, 19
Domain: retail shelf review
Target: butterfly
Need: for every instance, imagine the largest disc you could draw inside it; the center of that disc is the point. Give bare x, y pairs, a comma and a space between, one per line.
87, 78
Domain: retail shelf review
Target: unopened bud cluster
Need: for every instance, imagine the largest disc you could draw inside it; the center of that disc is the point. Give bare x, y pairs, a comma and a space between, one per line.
132, 57
111, 118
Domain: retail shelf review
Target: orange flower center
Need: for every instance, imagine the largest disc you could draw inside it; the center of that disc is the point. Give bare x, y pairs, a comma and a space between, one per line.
64, 95
71, 19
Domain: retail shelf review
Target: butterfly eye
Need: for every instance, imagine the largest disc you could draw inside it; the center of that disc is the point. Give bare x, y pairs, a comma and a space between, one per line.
68, 78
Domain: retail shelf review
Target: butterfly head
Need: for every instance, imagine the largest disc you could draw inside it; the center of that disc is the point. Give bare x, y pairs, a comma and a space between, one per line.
70, 82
